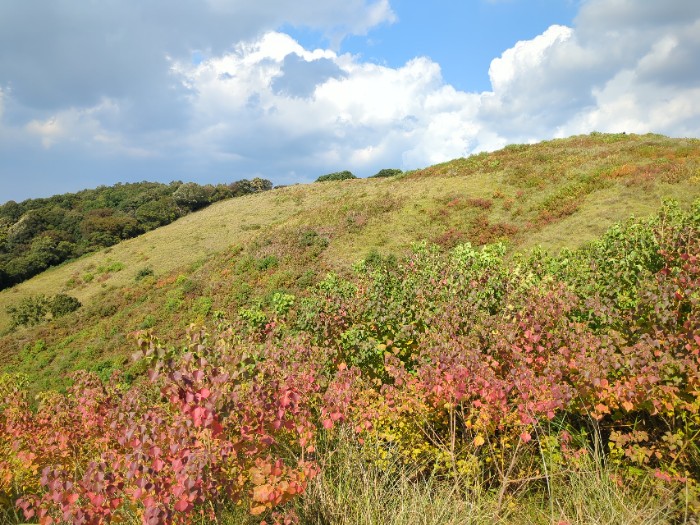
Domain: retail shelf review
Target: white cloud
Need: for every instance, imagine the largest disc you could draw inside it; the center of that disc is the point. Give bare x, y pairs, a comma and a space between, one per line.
364, 117
520, 61
85, 127
624, 66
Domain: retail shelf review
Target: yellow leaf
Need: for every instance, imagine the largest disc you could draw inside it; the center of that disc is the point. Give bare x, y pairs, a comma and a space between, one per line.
479, 440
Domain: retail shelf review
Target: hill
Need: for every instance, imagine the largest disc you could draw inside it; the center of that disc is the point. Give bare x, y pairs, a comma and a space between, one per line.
365, 351
38, 233
557, 194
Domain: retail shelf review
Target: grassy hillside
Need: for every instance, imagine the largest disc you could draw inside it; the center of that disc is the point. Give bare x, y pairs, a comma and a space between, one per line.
372, 351
557, 194
38, 233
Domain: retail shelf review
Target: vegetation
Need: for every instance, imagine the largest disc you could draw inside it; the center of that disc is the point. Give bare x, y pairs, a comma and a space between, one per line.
339, 175
387, 172
33, 310
456, 373
501, 376
39, 233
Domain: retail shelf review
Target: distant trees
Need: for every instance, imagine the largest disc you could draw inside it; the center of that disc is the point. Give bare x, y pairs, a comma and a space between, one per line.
245, 186
386, 172
38, 233
155, 213
193, 196
339, 175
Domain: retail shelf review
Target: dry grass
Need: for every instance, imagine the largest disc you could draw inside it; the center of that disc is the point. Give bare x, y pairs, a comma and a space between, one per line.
349, 491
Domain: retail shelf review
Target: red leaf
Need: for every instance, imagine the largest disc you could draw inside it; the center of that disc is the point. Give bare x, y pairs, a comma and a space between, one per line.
182, 505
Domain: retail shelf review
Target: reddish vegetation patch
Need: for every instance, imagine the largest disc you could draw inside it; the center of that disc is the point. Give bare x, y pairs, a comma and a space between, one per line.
484, 204
484, 232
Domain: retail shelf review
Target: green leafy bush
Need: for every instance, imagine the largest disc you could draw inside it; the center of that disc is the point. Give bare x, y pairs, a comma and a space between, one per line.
63, 304
30, 311
143, 273
386, 172
339, 175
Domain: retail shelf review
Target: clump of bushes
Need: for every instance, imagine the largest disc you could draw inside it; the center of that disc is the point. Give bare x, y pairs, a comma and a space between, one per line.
35, 309
503, 374
386, 172
339, 175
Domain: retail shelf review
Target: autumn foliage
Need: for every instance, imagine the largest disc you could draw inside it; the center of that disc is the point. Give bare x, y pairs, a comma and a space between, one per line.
503, 370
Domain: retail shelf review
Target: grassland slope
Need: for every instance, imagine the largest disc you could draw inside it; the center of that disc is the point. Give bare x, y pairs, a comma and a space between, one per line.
240, 252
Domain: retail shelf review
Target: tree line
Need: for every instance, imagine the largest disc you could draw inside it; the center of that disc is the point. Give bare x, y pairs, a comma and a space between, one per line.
38, 233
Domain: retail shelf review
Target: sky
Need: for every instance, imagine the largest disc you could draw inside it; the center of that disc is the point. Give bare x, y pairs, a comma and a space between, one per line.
97, 92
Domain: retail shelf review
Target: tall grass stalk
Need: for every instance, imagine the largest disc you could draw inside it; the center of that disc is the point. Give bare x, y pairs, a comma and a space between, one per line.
352, 491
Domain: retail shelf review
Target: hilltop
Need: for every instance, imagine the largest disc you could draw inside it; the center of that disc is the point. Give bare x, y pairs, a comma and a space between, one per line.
38, 233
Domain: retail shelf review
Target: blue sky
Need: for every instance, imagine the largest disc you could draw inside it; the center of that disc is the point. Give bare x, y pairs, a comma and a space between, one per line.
462, 36
214, 91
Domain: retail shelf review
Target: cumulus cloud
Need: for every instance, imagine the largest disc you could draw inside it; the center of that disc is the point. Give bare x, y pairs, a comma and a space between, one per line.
339, 112
632, 75
623, 66
299, 77
69, 53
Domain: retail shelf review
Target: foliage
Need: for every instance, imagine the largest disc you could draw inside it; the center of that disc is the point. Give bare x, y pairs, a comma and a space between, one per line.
246, 187
30, 311
38, 233
63, 304
339, 175
526, 379
192, 196
34, 309
147, 271
194, 440
387, 172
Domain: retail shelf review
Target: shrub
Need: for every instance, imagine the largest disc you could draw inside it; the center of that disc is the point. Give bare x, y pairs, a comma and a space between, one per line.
386, 172
143, 273
267, 262
502, 375
63, 304
339, 175
30, 311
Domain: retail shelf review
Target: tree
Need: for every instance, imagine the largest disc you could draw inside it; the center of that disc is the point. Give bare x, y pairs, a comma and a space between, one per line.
157, 213
386, 172
11, 210
259, 184
339, 175
192, 196
105, 226
240, 188
245, 186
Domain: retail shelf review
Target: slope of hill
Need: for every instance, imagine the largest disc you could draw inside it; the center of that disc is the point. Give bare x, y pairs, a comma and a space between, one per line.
349, 334
557, 194
38, 233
